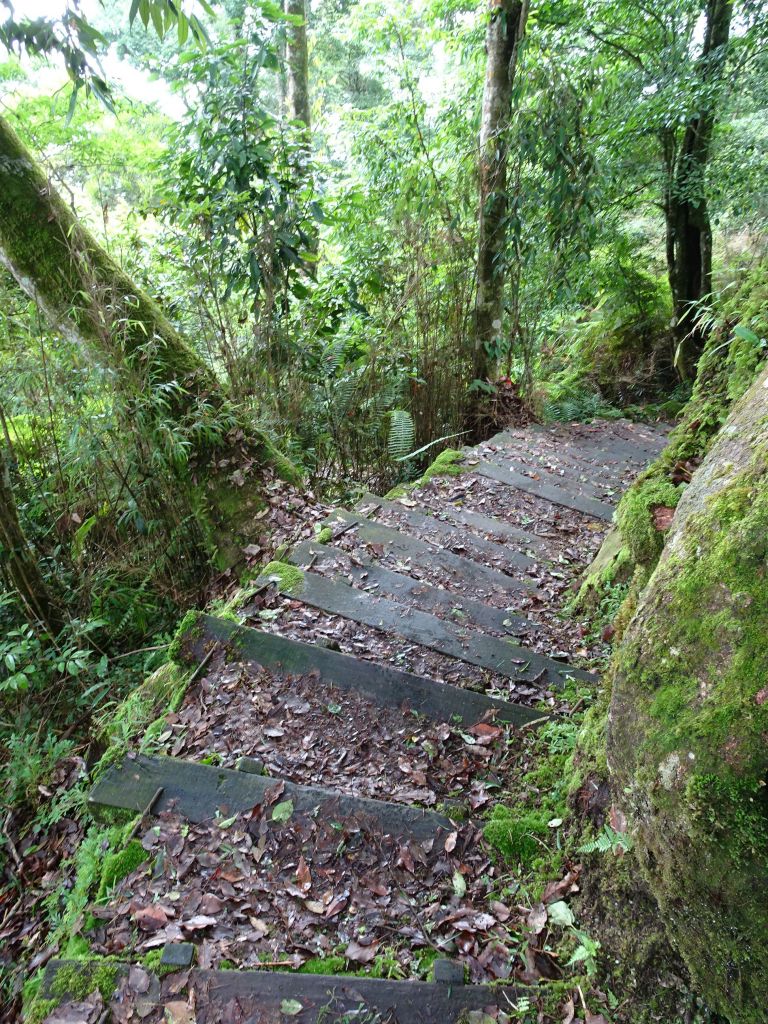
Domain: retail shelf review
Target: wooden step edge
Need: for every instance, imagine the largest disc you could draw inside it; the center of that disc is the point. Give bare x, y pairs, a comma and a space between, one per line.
461, 643
320, 997
201, 792
386, 686
419, 518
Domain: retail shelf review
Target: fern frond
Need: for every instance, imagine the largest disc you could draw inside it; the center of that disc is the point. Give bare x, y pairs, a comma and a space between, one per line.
402, 433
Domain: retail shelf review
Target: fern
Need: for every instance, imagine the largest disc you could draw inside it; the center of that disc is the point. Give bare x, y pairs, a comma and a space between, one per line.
402, 433
608, 840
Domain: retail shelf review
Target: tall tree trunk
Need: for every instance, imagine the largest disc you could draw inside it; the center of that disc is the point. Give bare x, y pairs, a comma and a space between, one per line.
84, 294
506, 27
297, 64
688, 227
18, 562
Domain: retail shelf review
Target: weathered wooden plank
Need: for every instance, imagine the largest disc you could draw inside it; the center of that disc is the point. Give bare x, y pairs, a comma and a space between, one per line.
419, 627
199, 792
446, 533
549, 492
386, 686
470, 575
379, 580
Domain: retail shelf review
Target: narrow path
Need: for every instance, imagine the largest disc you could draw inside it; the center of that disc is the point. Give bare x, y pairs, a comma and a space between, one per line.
315, 806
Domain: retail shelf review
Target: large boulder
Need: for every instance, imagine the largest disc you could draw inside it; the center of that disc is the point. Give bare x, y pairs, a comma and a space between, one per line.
688, 722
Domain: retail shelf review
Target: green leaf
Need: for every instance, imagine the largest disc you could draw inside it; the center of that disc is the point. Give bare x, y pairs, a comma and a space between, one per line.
560, 914
282, 812
459, 884
744, 332
291, 1007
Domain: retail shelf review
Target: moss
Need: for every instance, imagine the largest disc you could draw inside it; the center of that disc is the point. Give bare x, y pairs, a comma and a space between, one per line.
325, 965
121, 864
38, 1010
324, 536
447, 463
189, 628
290, 577
151, 961
516, 834
77, 980
635, 517
283, 466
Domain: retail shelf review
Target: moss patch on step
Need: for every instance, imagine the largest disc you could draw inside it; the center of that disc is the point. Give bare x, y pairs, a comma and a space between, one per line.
290, 577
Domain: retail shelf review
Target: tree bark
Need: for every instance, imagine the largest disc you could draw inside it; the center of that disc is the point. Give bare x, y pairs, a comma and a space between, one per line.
81, 290
689, 719
688, 227
18, 562
297, 65
506, 27
86, 296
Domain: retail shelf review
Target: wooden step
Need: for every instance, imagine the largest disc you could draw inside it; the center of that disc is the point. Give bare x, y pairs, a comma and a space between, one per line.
518, 663
557, 495
200, 792
474, 576
386, 686
448, 534
575, 481
263, 996
376, 579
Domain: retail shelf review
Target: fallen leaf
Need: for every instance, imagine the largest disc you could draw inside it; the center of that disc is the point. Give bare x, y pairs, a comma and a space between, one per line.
291, 1007
450, 842
459, 884
303, 876
662, 517
282, 812
361, 954
198, 922
537, 918
560, 914
150, 919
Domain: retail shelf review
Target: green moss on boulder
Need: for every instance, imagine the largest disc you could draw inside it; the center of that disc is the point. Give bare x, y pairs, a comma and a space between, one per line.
290, 577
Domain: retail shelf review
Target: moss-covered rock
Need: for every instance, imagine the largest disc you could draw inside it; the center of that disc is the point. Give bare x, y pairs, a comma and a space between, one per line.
448, 463
689, 720
290, 577
635, 517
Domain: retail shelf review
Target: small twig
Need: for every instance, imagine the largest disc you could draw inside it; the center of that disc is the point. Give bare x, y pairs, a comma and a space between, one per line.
576, 706
11, 844
200, 668
344, 529
534, 721
147, 810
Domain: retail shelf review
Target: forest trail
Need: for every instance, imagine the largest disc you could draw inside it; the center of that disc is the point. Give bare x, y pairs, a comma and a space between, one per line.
314, 804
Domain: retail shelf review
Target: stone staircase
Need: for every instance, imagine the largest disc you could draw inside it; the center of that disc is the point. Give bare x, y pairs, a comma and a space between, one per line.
314, 806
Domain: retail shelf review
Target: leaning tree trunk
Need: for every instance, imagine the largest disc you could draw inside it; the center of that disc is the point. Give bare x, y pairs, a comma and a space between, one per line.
506, 27
689, 720
688, 227
297, 64
84, 294
18, 563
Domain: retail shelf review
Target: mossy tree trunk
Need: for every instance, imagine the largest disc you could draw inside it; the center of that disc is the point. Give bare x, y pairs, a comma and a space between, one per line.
18, 562
688, 227
506, 27
689, 719
297, 65
86, 296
